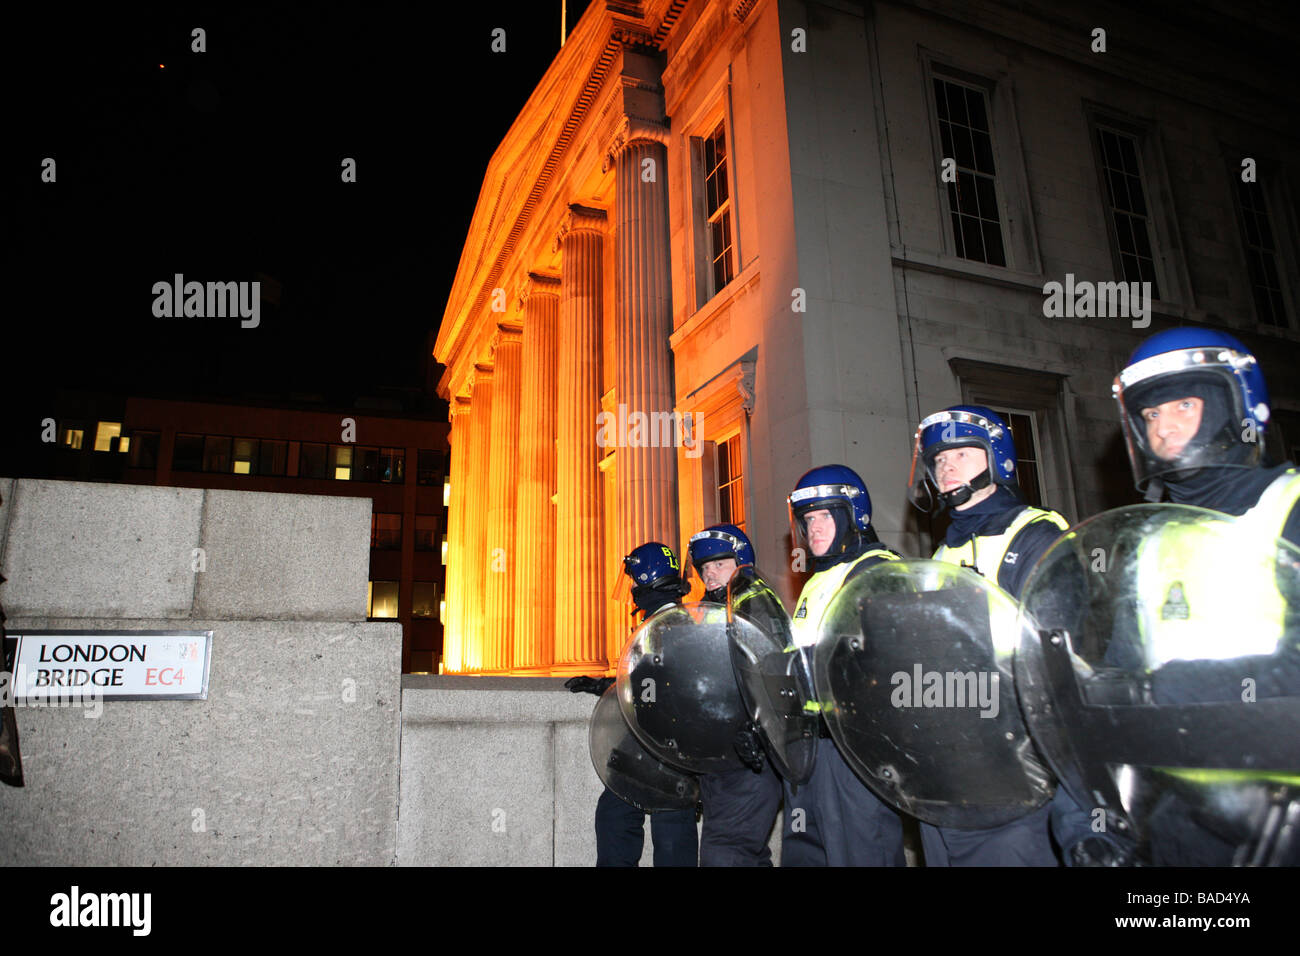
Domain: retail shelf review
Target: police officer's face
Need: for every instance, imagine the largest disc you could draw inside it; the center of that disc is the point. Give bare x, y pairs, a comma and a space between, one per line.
954, 467
820, 526
717, 573
1172, 425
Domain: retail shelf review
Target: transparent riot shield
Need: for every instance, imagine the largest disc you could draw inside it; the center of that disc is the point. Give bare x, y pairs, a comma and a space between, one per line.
774, 677
677, 691
627, 768
1160, 676
913, 667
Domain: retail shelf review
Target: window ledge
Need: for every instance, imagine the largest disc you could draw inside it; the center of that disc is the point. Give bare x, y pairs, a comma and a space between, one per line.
726, 294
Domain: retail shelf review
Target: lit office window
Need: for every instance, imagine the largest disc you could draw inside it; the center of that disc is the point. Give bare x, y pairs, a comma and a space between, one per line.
341, 462
73, 437
104, 435
245, 457
381, 599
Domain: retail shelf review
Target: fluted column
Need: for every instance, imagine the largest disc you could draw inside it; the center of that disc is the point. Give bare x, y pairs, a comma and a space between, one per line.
453, 631
502, 479
647, 470
535, 581
476, 506
579, 623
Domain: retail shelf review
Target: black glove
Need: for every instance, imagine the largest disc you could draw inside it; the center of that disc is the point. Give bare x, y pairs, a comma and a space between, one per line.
749, 748
589, 685
1100, 851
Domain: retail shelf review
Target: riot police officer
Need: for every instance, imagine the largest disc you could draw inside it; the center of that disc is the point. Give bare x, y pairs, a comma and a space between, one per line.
965, 456
739, 805
620, 828
834, 819
1195, 413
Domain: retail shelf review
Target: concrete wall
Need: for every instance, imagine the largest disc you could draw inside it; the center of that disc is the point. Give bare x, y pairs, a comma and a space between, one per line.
496, 771
292, 759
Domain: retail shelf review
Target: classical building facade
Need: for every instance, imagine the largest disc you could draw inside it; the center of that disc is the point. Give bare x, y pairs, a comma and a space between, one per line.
727, 241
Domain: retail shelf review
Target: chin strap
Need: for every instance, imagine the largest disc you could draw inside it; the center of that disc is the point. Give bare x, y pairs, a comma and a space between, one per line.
1155, 490
962, 494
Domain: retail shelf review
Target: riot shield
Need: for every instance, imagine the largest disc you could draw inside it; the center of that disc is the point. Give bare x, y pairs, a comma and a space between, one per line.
913, 667
627, 768
677, 692
1160, 676
774, 676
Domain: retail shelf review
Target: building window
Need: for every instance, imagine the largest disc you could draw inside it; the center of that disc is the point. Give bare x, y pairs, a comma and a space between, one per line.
717, 209
965, 137
106, 436
424, 599
216, 453
392, 465
188, 453
426, 532
1024, 432
1129, 218
385, 531
144, 449
313, 461
341, 462
273, 458
429, 467
1261, 254
73, 437
245, 456
731, 481
381, 600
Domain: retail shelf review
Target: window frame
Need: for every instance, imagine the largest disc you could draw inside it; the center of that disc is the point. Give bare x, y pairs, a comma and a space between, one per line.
1275, 193
1011, 181
1172, 276
714, 114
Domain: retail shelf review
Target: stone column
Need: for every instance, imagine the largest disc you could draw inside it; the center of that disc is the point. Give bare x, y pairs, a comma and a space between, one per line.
534, 568
580, 579
453, 631
502, 479
647, 470
476, 506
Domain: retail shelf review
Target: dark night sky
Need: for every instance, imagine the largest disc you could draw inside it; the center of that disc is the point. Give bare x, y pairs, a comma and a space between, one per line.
227, 163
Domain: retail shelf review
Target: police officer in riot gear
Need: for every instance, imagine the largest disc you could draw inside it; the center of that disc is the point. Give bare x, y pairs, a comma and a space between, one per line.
1195, 413
620, 828
739, 805
834, 819
964, 459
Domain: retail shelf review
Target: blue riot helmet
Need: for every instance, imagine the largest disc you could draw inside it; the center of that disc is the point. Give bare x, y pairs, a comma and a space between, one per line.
721, 541
654, 575
961, 426
718, 542
1189, 363
839, 490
